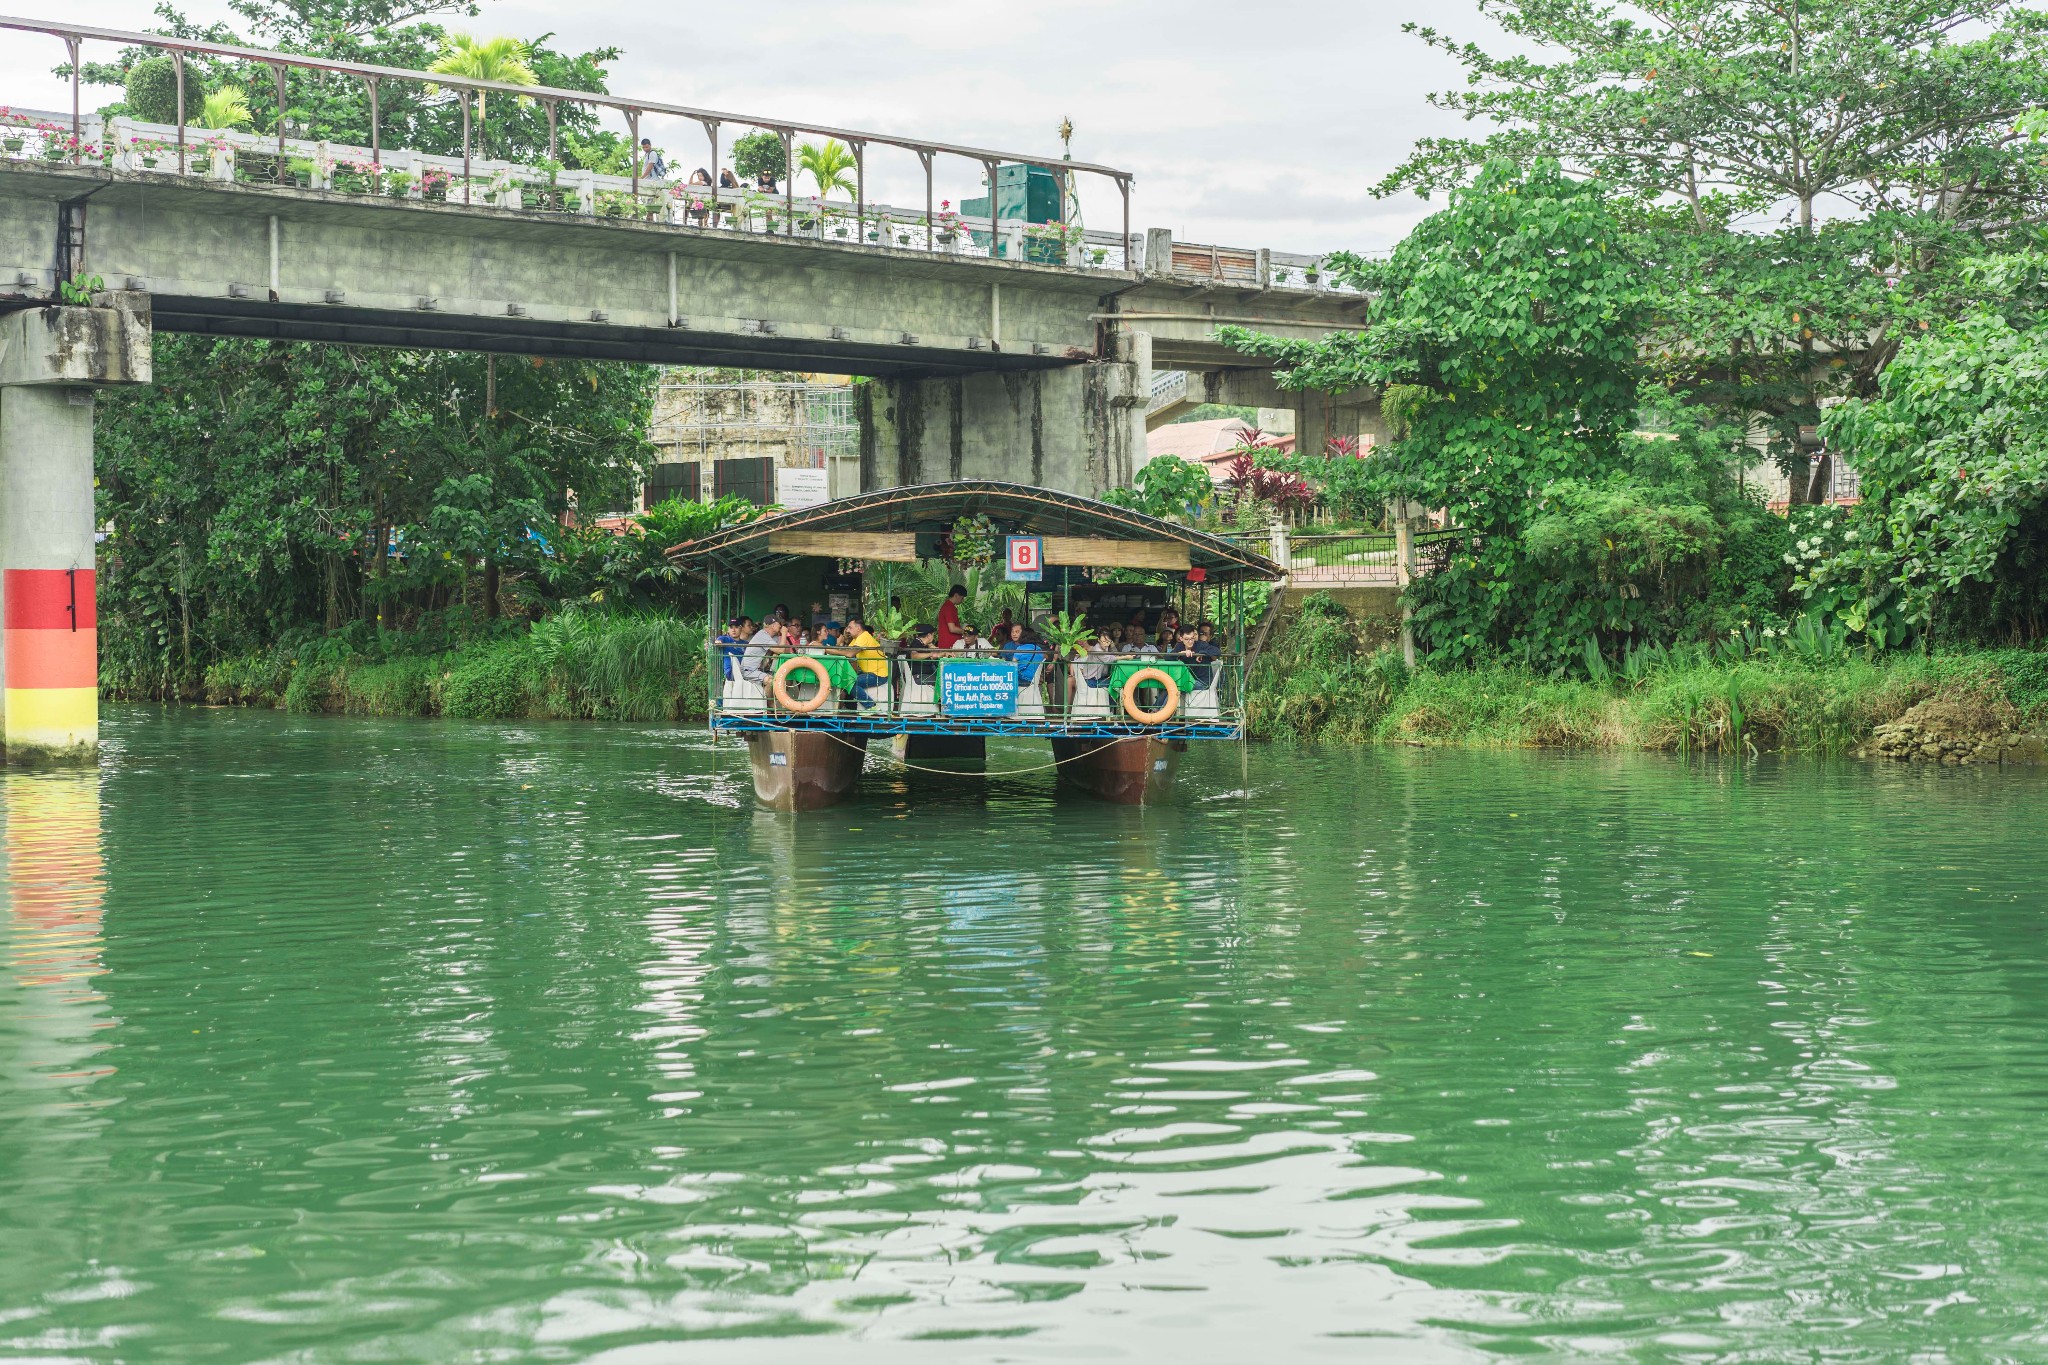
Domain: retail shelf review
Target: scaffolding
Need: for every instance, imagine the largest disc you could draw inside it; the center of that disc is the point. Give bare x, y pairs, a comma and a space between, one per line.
701, 417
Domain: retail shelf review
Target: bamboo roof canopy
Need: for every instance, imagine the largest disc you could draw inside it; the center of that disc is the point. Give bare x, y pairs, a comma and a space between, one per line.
884, 524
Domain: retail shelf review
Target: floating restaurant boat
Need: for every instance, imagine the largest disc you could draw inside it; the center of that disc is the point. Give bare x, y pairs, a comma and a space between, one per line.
1116, 721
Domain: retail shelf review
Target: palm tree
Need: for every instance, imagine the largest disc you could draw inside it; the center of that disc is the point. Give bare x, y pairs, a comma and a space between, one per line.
828, 166
227, 107
504, 60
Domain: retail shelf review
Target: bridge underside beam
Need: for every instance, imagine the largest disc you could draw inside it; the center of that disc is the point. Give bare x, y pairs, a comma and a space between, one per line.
580, 341
282, 263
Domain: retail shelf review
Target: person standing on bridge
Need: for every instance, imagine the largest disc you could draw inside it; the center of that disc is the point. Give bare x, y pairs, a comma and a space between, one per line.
652, 167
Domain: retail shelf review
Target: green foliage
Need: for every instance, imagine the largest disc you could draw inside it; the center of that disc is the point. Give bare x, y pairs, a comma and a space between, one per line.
378, 32
79, 289
247, 489
152, 92
1880, 103
227, 108
505, 60
1887, 126
1953, 532
1167, 487
1067, 632
1327, 678
757, 152
830, 165
630, 666
490, 683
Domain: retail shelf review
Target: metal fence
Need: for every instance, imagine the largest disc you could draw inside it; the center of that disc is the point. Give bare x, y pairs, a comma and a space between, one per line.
1062, 696
395, 174
79, 139
1357, 558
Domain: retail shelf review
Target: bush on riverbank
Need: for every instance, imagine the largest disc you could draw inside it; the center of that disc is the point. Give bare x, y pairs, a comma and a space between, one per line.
1329, 678
584, 665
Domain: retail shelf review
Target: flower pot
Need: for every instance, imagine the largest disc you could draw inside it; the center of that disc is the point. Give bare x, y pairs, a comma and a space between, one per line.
12, 144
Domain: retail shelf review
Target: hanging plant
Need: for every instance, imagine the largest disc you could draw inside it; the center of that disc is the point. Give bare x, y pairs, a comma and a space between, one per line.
974, 541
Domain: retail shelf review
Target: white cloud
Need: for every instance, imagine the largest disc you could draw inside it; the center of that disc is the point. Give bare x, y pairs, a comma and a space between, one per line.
1249, 125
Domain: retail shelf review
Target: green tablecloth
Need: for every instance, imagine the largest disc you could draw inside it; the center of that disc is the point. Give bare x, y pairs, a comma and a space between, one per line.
837, 665
1120, 672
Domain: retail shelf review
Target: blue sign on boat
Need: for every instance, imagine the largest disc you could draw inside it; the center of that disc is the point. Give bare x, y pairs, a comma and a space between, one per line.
978, 687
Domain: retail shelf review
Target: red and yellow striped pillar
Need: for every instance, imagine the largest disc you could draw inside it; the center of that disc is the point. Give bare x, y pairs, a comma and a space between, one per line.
51, 644
49, 658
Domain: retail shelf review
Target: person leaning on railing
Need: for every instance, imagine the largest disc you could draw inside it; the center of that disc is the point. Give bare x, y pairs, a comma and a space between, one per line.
754, 665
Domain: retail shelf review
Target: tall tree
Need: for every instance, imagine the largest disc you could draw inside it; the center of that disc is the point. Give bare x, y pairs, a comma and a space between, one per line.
505, 60
1807, 176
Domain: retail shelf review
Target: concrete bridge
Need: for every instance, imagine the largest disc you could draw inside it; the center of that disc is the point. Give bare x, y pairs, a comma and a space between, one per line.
995, 354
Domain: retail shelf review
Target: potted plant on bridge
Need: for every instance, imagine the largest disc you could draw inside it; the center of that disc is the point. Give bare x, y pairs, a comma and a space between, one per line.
434, 185
302, 170
355, 177
946, 226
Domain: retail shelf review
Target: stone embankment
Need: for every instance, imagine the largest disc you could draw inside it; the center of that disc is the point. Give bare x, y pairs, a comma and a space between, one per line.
1969, 726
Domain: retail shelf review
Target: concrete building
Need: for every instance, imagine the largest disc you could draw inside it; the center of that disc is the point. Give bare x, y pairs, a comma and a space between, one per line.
724, 430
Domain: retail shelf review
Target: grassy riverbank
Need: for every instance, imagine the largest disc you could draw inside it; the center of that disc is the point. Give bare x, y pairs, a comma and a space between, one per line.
1331, 679
575, 666
1325, 677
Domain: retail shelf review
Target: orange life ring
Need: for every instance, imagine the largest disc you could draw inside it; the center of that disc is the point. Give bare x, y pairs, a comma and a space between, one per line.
1130, 696
791, 665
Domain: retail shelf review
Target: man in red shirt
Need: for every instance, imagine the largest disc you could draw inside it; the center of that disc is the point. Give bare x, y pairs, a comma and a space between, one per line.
949, 632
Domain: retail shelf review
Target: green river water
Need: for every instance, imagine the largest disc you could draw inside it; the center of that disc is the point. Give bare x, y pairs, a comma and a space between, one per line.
346, 1040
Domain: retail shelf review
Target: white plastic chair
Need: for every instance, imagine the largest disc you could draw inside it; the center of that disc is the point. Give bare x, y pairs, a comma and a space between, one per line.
882, 694
742, 697
1201, 704
1089, 701
918, 700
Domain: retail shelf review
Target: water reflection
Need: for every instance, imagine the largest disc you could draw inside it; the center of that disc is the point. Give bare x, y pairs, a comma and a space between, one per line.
53, 885
447, 1041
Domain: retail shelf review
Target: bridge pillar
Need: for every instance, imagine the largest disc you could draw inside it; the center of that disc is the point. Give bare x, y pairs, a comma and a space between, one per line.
1079, 428
51, 360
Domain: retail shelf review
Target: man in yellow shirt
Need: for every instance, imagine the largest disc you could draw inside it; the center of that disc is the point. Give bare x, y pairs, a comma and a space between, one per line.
870, 664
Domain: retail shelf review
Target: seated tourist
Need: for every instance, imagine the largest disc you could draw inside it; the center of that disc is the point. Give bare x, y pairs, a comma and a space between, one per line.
870, 664
729, 642
1168, 633
1205, 641
831, 635
1135, 641
1024, 652
924, 668
1094, 671
1184, 652
700, 176
756, 665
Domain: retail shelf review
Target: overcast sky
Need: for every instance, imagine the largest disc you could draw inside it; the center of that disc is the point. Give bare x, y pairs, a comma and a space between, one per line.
1245, 124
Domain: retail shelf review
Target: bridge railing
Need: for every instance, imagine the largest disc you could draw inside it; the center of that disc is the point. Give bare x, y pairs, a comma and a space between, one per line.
340, 168
471, 180
1357, 558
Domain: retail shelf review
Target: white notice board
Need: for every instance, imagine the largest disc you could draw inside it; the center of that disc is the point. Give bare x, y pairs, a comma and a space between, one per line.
801, 487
